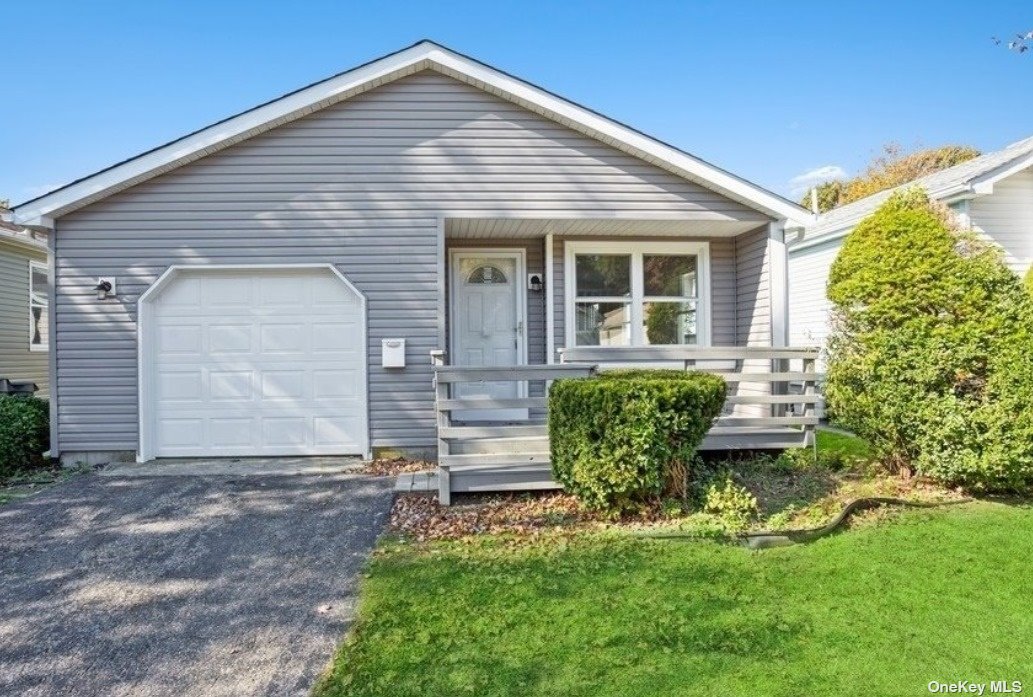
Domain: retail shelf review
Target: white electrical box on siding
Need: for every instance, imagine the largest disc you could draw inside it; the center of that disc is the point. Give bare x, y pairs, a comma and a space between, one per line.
392, 353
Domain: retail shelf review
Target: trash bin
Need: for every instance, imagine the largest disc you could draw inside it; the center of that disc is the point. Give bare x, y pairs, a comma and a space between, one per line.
17, 387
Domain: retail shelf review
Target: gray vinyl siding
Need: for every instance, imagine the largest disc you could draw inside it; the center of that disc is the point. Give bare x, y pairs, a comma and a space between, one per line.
753, 307
17, 362
363, 185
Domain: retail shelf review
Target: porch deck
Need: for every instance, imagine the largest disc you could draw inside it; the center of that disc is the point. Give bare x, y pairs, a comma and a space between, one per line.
760, 412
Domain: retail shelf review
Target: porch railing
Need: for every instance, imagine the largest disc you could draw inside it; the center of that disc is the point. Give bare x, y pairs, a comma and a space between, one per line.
769, 387
773, 402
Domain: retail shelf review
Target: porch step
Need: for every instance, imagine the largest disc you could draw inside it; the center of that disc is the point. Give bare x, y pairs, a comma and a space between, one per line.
502, 446
747, 438
473, 478
495, 460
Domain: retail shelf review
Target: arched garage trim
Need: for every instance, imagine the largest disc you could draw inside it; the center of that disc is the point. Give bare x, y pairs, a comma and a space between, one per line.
144, 342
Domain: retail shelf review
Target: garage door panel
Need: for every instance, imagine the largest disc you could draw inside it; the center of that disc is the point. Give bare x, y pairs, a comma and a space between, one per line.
180, 385
230, 385
228, 291
236, 432
285, 430
283, 338
258, 363
328, 430
182, 339
284, 384
230, 338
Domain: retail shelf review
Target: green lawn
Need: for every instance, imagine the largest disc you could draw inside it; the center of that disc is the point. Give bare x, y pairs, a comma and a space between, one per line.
849, 446
932, 595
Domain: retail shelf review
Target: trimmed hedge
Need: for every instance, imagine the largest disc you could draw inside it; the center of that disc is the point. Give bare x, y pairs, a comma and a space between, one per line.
615, 436
929, 360
24, 433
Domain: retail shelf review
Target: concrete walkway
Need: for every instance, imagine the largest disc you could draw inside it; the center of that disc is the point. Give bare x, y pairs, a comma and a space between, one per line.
182, 585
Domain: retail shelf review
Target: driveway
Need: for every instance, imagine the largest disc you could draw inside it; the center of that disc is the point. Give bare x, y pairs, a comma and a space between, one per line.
182, 585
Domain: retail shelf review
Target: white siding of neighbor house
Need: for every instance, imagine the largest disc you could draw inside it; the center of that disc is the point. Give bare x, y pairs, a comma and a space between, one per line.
808, 305
1006, 217
363, 185
17, 362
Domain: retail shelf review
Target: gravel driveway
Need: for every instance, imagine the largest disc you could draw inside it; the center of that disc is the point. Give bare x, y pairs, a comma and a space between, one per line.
182, 585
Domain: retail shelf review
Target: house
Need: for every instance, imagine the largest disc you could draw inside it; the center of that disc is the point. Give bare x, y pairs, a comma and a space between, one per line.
991, 194
24, 307
275, 284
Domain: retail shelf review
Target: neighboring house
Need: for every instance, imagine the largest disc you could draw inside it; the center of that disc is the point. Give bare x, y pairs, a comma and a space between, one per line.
992, 194
265, 270
24, 293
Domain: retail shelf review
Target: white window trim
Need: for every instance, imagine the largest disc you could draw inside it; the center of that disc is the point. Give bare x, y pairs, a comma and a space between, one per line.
45, 346
636, 250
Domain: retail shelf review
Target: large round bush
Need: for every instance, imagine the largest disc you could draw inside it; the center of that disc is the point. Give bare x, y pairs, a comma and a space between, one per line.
615, 436
929, 358
24, 432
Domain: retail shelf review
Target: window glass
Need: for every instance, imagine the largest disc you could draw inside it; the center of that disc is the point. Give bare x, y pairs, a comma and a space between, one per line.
489, 275
603, 324
603, 275
670, 323
38, 301
669, 276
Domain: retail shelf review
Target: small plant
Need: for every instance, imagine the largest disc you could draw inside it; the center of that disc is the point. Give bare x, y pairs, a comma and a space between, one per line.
24, 433
618, 438
797, 459
732, 503
671, 508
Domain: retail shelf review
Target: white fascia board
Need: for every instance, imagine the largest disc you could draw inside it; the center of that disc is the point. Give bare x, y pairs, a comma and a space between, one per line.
420, 56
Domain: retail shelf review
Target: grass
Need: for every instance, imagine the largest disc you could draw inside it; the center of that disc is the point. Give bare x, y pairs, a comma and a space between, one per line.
931, 595
849, 446
25, 484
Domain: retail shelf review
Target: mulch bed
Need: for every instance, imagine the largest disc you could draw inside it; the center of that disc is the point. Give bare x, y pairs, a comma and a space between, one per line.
394, 466
420, 517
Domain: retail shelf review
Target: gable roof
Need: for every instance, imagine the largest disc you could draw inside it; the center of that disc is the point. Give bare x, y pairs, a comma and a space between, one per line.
425, 55
968, 179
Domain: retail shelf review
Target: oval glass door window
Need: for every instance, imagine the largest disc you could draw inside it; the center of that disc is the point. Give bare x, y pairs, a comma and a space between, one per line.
487, 275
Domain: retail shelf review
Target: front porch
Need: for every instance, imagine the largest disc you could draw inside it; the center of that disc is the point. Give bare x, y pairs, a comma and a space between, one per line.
773, 403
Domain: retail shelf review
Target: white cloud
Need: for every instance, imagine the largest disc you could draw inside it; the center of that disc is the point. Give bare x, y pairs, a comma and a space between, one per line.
34, 191
802, 182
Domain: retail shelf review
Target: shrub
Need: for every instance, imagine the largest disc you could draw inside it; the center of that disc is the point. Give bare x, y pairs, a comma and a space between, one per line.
928, 358
733, 504
1027, 281
616, 436
24, 433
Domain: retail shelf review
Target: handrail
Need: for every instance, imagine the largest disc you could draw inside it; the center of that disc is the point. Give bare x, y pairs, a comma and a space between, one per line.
617, 354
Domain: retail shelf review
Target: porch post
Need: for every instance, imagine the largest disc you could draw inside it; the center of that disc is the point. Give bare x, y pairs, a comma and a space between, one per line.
779, 281
550, 308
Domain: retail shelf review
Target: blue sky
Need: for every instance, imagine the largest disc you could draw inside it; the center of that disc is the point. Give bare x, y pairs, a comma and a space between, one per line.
769, 90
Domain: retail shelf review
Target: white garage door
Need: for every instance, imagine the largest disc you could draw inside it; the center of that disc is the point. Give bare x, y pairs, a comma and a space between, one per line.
257, 362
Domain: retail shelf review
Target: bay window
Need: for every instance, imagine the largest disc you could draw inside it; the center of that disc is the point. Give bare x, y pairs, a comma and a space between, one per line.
637, 293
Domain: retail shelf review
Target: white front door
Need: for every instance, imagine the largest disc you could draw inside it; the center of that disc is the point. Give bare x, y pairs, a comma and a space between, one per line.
488, 325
